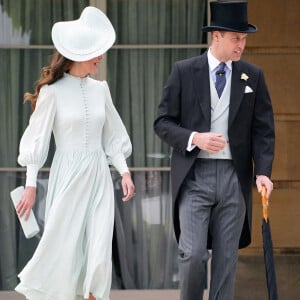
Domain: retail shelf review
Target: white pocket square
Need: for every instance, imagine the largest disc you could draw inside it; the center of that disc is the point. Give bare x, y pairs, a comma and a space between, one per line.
248, 89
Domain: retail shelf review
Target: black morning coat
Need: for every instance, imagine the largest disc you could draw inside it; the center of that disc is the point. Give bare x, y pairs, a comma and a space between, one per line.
185, 107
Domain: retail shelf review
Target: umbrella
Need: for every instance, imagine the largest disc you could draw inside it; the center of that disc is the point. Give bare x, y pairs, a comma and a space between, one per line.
268, 249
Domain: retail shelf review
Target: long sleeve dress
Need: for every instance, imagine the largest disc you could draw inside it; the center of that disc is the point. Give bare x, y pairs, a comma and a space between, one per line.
73, 257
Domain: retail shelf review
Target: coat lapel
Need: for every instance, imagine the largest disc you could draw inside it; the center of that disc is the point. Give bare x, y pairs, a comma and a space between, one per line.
202, 88
201, 85
237, 92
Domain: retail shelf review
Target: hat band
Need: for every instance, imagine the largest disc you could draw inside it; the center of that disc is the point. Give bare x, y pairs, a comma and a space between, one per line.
236, 27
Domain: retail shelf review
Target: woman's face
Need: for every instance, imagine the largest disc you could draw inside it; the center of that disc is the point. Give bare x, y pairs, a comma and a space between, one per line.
89, 66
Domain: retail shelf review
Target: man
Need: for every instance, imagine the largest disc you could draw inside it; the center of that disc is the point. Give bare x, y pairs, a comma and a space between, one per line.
222, 138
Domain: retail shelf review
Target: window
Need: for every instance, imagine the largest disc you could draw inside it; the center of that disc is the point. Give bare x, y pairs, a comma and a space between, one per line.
151, 36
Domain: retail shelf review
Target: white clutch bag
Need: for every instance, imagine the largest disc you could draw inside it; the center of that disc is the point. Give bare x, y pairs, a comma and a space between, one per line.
30, 226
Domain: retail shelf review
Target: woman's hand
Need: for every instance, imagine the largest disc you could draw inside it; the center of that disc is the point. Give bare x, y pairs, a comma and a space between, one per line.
26, 203
127, 186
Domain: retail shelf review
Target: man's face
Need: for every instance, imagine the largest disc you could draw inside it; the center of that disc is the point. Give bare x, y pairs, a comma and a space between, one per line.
229, 45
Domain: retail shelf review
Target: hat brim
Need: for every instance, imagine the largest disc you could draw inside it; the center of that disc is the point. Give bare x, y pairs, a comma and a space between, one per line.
251, 29
77, 52
86, 38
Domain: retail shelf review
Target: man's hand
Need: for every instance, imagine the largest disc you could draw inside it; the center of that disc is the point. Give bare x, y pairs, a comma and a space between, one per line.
264, 180
209, 141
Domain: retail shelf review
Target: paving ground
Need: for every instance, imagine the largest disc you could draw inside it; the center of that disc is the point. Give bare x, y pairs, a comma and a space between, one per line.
250, 282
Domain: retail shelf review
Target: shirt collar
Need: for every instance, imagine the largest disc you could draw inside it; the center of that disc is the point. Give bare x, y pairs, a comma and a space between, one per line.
214, 62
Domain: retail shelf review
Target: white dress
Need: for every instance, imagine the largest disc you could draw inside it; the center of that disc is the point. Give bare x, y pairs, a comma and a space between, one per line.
73, 257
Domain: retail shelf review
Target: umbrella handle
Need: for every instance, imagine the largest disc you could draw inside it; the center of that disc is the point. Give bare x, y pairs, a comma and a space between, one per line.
265, 203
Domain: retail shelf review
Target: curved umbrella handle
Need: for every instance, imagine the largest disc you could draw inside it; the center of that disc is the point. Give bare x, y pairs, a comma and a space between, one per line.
265, 203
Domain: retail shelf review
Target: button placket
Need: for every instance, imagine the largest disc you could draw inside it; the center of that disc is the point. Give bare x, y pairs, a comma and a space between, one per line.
83, 89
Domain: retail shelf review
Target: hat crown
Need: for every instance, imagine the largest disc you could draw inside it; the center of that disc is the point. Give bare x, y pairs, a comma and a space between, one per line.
93, 18
229, 16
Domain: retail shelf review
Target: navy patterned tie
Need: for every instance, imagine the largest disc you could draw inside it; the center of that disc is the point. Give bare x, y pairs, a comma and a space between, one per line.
220, 78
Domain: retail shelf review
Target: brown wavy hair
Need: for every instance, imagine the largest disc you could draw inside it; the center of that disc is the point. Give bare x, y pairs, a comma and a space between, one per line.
49, 74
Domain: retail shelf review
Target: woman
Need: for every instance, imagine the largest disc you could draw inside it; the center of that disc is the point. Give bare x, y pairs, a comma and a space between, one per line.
73, 258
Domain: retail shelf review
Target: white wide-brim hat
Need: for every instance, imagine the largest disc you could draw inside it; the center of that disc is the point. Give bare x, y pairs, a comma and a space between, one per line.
85, 38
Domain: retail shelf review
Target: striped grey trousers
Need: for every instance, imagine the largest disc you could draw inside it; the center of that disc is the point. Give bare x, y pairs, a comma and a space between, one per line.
210, 200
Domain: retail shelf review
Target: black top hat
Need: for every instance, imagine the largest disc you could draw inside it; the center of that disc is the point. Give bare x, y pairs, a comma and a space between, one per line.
229, 16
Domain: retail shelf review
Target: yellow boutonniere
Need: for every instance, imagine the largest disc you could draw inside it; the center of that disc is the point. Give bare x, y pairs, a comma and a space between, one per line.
244, 76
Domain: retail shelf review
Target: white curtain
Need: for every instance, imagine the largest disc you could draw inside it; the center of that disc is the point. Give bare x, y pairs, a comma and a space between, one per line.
144, 248
21, 23
136, 78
